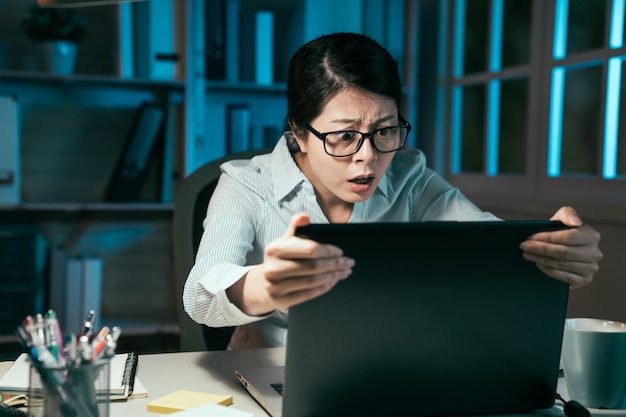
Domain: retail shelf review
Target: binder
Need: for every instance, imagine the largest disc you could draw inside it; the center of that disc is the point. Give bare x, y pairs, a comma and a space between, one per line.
264, 48
238, 128
81, 291
10, 156
231, 58
91, 287
72, 318
130, 170
214, 41
257, 47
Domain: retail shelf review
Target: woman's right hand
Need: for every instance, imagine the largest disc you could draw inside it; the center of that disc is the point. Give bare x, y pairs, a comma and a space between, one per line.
293, 271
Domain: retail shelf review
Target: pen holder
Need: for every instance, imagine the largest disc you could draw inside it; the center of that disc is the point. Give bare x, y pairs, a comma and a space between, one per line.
70, 391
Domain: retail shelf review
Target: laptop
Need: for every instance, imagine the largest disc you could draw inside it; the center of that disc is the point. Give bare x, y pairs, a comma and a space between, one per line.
437, 319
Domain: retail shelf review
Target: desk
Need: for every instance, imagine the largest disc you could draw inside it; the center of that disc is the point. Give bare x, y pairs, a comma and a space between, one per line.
214, 372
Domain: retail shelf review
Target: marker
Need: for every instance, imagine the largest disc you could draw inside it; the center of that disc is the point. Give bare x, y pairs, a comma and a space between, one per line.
88, 323
84, 348
28, 324
98, 344
54, 335
71, 349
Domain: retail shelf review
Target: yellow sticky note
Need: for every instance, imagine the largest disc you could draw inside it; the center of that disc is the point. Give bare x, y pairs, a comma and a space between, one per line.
184, 400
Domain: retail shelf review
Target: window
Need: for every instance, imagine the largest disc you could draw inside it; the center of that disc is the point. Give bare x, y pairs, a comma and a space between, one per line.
531, 98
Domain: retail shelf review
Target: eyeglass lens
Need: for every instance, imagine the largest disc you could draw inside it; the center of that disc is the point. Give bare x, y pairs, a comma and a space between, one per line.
345, 143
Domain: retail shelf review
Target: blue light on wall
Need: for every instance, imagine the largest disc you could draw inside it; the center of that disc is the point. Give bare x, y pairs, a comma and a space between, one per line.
457, 117
556, 118
613, 91
611, 118
616, 39
497, 23
440, 97
560, 29
493, 128
495, 64
557, 89
459, 39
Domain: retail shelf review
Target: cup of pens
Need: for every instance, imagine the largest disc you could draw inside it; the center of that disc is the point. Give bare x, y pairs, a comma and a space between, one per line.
68, 378
70, 390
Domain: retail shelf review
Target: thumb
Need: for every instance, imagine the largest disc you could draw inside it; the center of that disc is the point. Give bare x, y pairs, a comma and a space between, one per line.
297, 220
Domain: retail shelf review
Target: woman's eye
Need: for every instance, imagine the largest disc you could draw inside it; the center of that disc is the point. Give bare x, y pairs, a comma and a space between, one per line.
384, 131
346, 136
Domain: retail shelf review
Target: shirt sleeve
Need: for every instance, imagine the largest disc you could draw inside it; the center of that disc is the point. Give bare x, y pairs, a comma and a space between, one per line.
435, 199
225, 254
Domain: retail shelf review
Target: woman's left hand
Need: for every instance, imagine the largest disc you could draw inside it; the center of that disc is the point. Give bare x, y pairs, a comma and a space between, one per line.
570, 255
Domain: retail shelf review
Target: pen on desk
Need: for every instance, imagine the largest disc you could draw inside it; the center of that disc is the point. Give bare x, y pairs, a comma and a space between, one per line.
88, 323
84, 348
40, 329
71, 350
28, 324
98, 344
54, 335
111, 339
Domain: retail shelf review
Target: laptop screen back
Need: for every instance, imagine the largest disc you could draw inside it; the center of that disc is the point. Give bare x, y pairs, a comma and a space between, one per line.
439, 318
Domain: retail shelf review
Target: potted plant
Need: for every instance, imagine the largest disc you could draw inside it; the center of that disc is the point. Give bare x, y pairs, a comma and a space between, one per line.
57, 32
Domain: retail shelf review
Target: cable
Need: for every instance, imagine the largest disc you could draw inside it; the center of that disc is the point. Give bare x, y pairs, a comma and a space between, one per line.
573, 408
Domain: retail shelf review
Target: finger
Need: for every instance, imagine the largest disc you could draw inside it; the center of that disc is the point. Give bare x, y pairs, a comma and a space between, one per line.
296, 248
567, 216
307, 283
572, 279
297, 220
579, 236
576, 267
280, 268
294, 298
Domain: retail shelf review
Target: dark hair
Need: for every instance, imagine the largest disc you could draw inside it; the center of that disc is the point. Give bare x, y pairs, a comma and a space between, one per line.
323, 67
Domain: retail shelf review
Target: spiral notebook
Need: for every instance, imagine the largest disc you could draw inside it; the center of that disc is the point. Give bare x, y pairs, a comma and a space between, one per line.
123, 383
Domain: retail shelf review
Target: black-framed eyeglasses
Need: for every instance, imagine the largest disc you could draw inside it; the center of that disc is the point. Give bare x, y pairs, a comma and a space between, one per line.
348, 142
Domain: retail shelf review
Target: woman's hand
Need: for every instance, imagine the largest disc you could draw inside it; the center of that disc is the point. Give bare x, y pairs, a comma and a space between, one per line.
294, 270
570, 255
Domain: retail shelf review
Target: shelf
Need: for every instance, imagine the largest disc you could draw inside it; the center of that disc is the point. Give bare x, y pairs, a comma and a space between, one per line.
246, 87
31, 77
90, 207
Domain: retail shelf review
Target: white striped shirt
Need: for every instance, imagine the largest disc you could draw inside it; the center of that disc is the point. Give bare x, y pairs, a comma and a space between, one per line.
253, 204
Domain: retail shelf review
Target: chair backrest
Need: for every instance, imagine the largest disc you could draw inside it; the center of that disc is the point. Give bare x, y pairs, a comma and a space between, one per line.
190, 205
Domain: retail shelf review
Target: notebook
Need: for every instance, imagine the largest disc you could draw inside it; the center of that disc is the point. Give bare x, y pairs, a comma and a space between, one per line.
123, 383
437, 319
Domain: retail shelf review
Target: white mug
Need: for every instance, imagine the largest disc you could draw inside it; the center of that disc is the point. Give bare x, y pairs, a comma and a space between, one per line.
594, 362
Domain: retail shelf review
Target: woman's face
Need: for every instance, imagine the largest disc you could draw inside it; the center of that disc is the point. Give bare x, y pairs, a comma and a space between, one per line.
354, 178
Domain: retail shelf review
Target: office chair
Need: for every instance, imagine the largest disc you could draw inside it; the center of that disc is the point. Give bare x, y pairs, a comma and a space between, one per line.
190, 205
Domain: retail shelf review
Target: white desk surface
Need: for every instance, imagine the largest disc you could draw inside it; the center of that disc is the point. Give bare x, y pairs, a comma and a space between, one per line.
213, 372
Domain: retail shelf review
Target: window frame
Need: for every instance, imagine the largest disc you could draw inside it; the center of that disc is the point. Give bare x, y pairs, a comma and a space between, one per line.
535, 191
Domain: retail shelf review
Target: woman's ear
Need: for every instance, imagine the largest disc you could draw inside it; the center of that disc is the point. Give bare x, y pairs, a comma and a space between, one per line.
299, 136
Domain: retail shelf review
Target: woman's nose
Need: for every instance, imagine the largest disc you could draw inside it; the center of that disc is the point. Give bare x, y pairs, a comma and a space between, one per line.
366, 152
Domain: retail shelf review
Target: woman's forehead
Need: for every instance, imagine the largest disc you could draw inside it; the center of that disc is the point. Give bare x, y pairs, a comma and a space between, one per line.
355, 105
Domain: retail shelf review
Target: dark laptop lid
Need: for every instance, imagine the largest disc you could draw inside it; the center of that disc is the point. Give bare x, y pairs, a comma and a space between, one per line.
438, 318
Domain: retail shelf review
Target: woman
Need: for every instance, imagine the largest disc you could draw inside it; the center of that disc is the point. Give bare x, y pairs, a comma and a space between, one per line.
338, 162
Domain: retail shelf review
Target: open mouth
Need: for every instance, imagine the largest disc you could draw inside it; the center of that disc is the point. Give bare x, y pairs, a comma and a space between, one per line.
362, 180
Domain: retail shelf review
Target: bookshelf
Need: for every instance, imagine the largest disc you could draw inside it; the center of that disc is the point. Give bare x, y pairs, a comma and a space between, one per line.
72, 131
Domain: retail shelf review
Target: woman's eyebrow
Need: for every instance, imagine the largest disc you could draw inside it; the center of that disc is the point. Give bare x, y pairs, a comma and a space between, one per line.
382, 119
